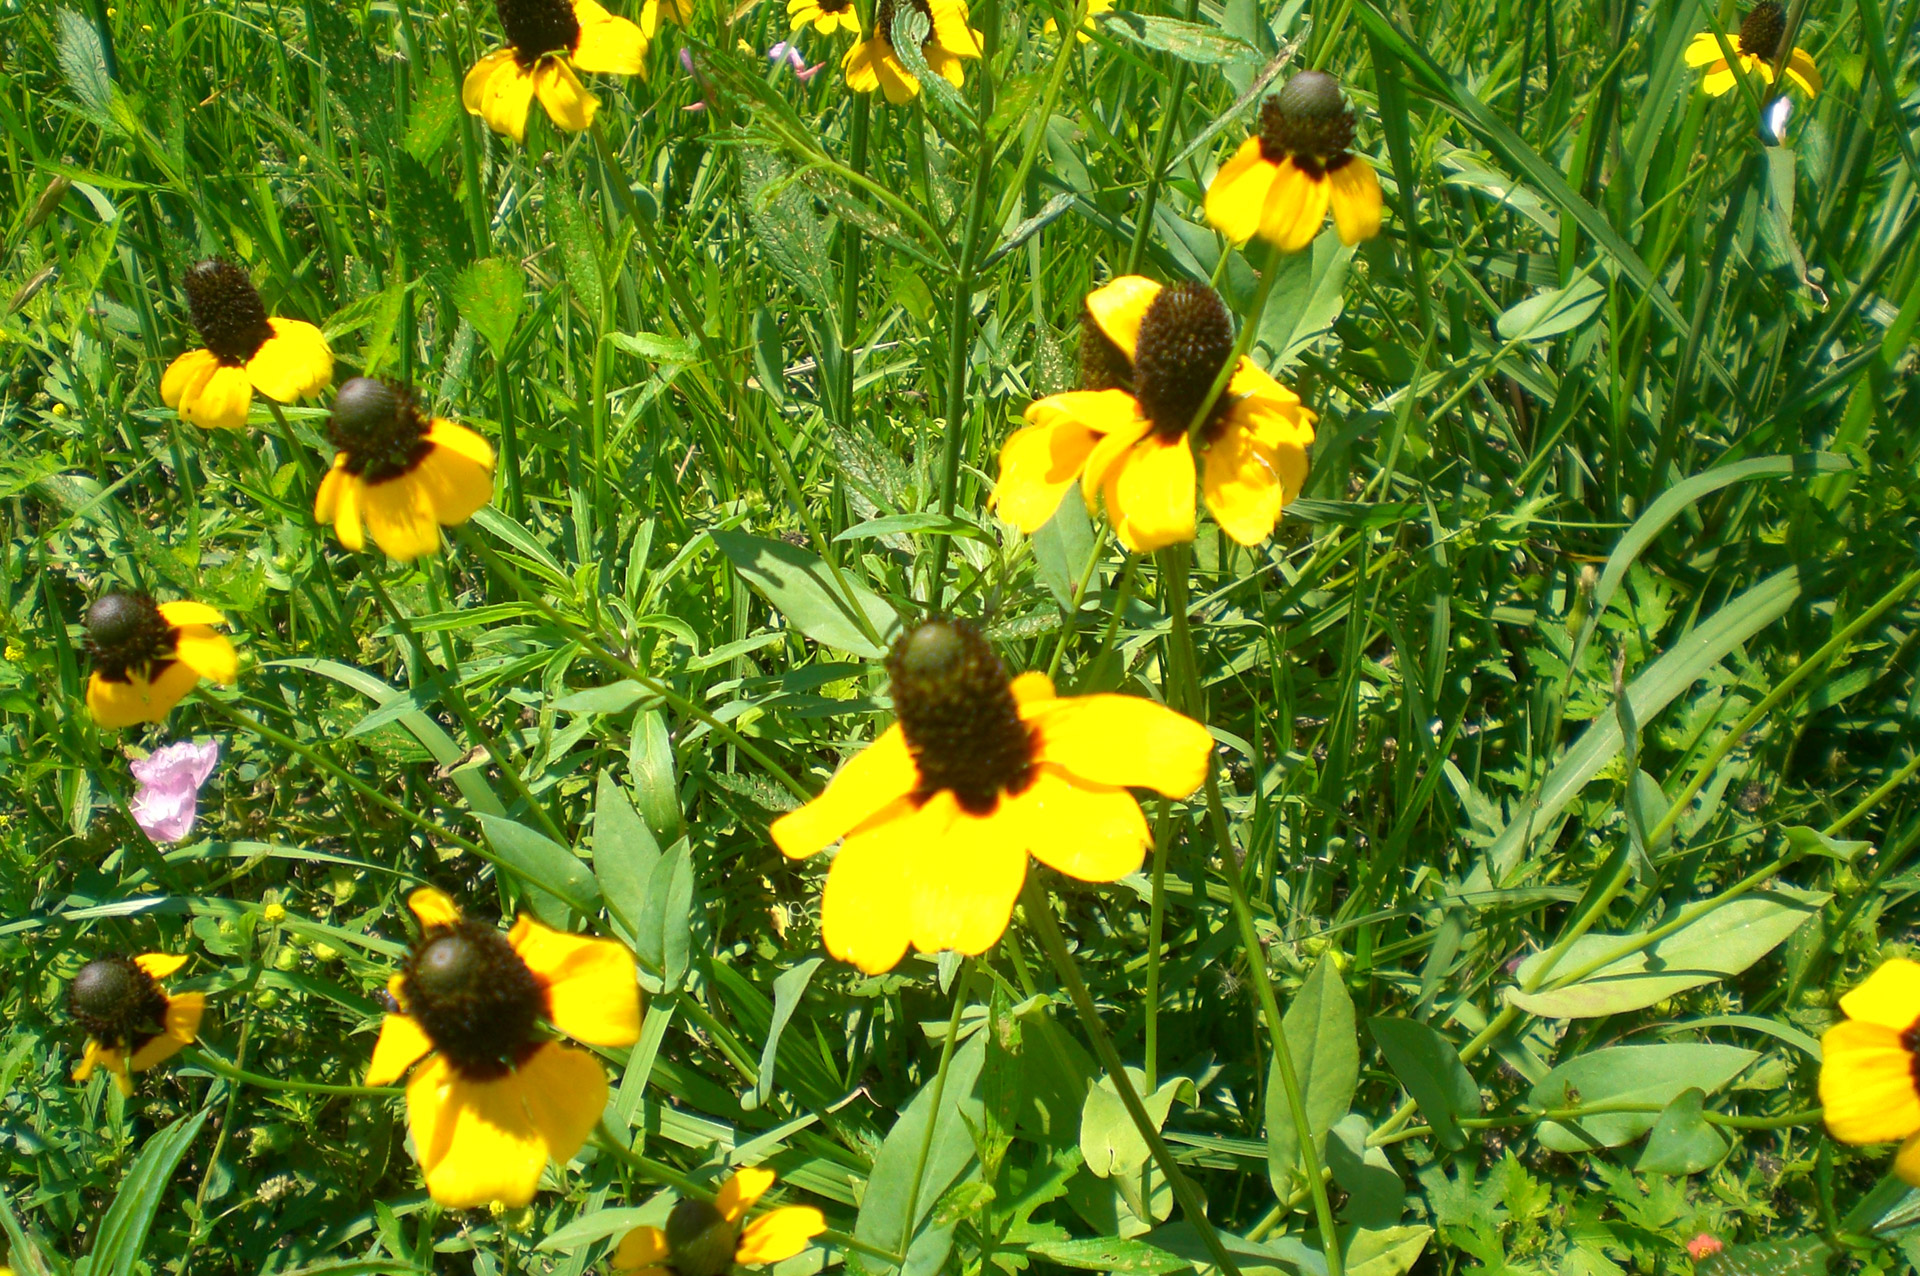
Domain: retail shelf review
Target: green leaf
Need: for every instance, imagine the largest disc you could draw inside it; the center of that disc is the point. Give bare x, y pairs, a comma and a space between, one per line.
1188, 41
928, 524
1625, 1075
120, 1246
1429, 1067
1805, 1257
883, 1217
1110, 1254
1548, 314
1109, 1140
1390, 1251
491, 294
787, 991
1375, 1195
659, 349
800, 587
624, 854
540, 861
83, 61
1061, 547
615, 697
1811, 841
1308, 295
1283, 1257
650, 762
1326, 1058
1682, 1142
573, 230
666, 925
436, 110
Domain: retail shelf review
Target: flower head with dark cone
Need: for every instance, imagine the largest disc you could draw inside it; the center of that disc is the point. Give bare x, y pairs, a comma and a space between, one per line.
131, 1021
707, 1239
1149, 355
147, 655
399, 475
827, 16
873, 63
243, 351
1870, 1065
496, 1096
939, 813
1281, 182
1758, 45
547, 41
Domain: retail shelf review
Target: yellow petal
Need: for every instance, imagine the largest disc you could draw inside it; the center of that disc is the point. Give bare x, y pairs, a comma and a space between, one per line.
1032, 687
221, 401
178, 1030
1296, 206
400, 517
1093, 832
1110, 453
433, 907
1242, 492
327, 500
453, 484
207, 653
505, 95
402, 1043
123, 704
1237, 196
160, 965
640, 1249
1355, 200
1122, 741
185, 375
607, 45
858, 67
895, 80
865, 909
1718, 80
294, 363
185, 612
461, 441
967, 875
1801, 70
1150, 496
592, 991
1120, 306
1866, 1083
951, 32
1703, 49
89, 1060
482, 1141
473, 89
877, 775
737, 1194
779, 1234
1890, 996
1037, 466
568, 103
1907, 1164
349, 496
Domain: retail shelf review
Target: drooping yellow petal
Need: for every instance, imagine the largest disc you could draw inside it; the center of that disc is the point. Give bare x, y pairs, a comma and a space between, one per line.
1241, 490
500, 91
482, 1141
207, 653
966, 877
1237, 196
294, 363
400, 517
1907, 1163
186, 375
644, 1249
1296, 207
859, 66
1032, 687
1121, 741
455, 484
1703, 50
947, 66
186, 612
327, 500
607, 45
1093, 832
1110, 453
896, 81
801, 12
1119, 306
951, 32
1355, 200
403, 1042
568, 103
1801, 70
179, 1028
592, 990
1866, 1083
879, 774
1720, 78
1890, 996
221, 401
1150, 496
738, 1194
124, 704
865, 910
349, 496
433, 907
779, 1234
1039, 463
160, 965
109, 1057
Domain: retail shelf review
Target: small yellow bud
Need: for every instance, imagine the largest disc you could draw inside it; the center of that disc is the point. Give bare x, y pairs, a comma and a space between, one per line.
274, 914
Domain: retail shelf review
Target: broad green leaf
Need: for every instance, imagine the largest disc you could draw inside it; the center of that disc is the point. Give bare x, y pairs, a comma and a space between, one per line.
624, 854
1308, 295
1283, 1257
615, 697
1812, 841
1682, 1142
1629, 1075
1548, 314
436, 110
1192, 42
573, 230
1061, 547
120, 1246
656, 788
883, 1218
491, 294
652, 346
1326, 1058
83, 61
540, 861
928, 524
1375, 1194
1109, 1140
1429, 1067
1804, 1257
801, 588
1110, 1254
1390, 1251
666, 925
787, 991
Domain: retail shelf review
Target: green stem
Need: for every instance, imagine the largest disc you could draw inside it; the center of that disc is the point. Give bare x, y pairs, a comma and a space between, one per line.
962, 986
300, 456
1242, 343
1156, 926
1079, 599
220, 1067
1156, 173
1038, 908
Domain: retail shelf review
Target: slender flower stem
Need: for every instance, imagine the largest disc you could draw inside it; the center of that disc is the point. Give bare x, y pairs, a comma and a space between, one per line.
850, 263
1156, 171
301, 457
220, 1067
1068, 627
962, 986
1249, 327
1038, 908
1156, 926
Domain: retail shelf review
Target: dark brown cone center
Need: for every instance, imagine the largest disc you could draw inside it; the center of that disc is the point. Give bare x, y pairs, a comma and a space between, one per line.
126, 634
536, 28
474, 998
957, 711
118, 1003
1186, 337
1761, 30
377, 426
1308, 120
226, 310
835, 6
1103, 365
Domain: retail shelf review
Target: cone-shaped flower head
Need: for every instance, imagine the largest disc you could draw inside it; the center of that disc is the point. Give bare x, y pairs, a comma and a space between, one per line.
1282, 181
497, 1096
147, 655
398, 475
547, 41
243, 351
873, 63
1758, 44
131, 1022
939, 813
707, 1239
1148, 356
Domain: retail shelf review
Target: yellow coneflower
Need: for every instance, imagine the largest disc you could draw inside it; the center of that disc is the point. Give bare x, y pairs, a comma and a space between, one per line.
496, 1097
244, 351
1094, 7
547, 40
950, 41
702, 1239
147, 655
940, 812
1131, 448
1758, 43
398, 475
131, 1022
1281, 182
1870, 1065
827, 16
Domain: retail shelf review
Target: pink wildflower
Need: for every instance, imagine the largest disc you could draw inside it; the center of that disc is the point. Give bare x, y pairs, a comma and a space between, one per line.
1704, 1244
686, 62
801, 71
165, 804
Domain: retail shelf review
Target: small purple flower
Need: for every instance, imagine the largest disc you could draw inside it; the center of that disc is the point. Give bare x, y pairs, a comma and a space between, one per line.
165, 804
801, 70
686, 63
